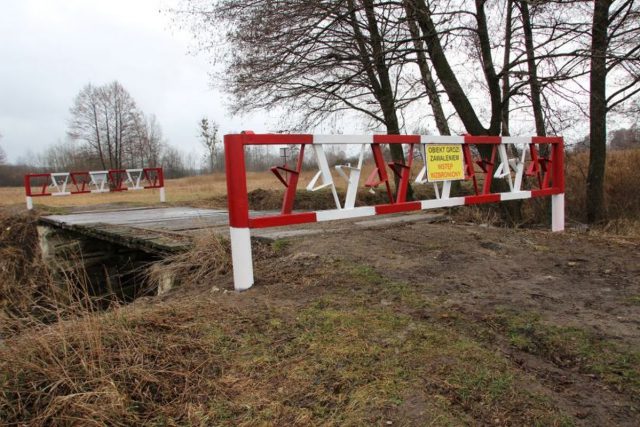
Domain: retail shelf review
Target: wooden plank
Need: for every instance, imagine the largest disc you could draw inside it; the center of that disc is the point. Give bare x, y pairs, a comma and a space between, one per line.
156, 230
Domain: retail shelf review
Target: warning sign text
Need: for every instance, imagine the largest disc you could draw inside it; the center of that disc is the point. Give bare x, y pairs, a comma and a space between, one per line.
444, 163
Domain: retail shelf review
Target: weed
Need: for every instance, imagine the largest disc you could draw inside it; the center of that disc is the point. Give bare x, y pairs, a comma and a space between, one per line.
280, 245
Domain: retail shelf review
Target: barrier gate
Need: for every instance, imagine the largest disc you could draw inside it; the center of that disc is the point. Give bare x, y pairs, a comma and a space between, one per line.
528, 170
112, 180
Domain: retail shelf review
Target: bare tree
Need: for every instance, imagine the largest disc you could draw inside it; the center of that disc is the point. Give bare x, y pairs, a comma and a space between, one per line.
313, 59
85, 121
491, 59
146, 145
536, 102
173, 163
209, 140
623, 139
104, 119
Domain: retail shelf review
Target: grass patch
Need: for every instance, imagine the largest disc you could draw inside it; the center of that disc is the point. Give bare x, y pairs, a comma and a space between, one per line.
634, 300
212, 361
575, 347
280, 245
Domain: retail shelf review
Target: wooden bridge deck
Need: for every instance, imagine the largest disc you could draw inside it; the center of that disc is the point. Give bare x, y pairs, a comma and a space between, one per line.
172, 229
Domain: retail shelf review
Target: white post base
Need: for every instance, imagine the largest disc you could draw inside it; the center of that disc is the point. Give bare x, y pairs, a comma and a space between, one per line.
162, 195
241, 258
29, 203
557, 212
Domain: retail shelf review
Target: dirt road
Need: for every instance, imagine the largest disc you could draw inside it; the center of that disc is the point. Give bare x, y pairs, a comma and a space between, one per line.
562, 308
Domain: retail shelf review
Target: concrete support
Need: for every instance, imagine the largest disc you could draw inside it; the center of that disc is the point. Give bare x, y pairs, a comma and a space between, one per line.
47, 247
29, 202
166, 282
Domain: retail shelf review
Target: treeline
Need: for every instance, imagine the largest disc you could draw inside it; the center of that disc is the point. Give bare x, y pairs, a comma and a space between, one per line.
65, 157
480, 67
106, 130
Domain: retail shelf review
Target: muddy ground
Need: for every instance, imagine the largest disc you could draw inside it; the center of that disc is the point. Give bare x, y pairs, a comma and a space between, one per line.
563, 308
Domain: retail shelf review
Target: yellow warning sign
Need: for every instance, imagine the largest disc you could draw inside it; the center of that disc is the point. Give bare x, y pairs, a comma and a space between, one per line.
444, 162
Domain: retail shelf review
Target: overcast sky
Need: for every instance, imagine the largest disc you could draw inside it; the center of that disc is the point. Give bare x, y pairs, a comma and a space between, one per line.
50, 49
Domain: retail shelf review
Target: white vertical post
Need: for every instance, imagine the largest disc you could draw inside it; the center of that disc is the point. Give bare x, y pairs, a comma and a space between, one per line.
557, 212
446, 190
162, 195
29, 202
241, 258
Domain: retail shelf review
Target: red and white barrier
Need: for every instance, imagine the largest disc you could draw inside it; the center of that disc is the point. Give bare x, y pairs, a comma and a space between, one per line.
516, 160
112, 180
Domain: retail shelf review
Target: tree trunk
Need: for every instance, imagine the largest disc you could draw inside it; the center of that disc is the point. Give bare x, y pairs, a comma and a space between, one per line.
536, 102
493, 81
98, 141
598, 113
506, 84
378, 73
444, 71
425, 73
109, 147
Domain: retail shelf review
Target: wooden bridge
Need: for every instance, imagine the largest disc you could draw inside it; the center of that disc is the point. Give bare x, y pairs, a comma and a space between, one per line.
115, 244
168, 230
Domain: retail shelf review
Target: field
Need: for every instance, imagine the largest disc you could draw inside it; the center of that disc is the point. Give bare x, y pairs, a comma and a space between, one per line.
192, 189
450, 323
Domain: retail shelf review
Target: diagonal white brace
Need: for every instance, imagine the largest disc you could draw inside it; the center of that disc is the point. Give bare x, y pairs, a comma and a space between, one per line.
99, 181
134, 176
504, 169
518, 166
353, 179
325, 174
59, 181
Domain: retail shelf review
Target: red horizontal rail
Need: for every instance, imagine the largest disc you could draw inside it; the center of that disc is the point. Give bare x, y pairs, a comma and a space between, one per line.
549, 172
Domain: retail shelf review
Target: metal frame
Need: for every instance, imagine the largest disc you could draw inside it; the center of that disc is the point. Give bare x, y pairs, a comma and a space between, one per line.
547, 171
70, 183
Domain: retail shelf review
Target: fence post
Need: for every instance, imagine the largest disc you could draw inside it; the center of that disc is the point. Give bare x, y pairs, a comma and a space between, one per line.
161, 182
27, 192
557, 212
557, 200
238, 205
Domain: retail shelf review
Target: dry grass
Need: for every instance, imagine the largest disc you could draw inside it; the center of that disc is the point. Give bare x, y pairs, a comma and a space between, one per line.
622, 198
339, 358
622, 195
197, 189
187, 268
31, 293
206, 358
